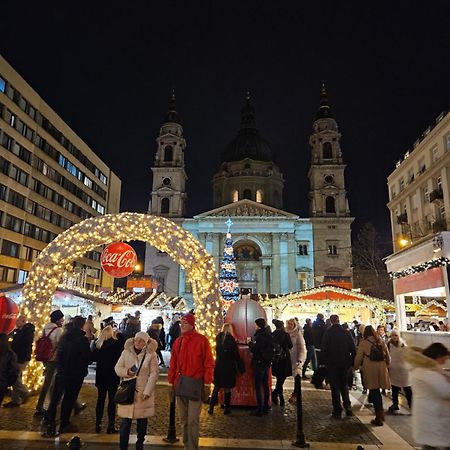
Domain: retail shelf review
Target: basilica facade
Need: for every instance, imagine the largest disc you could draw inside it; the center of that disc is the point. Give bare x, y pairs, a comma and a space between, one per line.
276, 251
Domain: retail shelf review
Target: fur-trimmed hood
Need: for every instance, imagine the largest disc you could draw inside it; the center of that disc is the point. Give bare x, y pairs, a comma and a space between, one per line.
152, 345
415, 357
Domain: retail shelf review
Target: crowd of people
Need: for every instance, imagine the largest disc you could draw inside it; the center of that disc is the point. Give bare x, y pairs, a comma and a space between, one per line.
125, 354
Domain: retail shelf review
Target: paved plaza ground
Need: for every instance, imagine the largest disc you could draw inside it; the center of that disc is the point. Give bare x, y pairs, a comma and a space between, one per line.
20, 430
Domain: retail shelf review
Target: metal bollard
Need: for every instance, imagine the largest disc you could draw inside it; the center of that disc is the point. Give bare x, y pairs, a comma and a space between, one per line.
300, 438
75, 443
171, 431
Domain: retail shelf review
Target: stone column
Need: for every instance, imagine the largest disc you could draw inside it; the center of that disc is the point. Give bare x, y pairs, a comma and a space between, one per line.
275, 275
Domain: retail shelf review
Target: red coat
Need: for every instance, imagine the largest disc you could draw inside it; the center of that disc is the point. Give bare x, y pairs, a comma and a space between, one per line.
192, 356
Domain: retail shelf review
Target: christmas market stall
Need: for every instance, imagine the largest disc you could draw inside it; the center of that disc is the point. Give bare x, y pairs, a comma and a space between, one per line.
348, 304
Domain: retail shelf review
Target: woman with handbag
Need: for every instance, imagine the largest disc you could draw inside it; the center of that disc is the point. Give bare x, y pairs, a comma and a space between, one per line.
228, 362
138, 368
373, 356
106, 352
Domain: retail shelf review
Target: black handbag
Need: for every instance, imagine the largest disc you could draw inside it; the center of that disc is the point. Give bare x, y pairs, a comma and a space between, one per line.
188, 387
127, 388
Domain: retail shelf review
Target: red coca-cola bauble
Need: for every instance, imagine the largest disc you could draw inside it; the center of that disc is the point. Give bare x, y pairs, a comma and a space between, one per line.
8, 314
118, 259
242, 315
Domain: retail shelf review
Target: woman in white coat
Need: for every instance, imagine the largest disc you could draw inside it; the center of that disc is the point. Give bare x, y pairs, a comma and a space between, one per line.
399, 371
137, 350
298, 350
431, 406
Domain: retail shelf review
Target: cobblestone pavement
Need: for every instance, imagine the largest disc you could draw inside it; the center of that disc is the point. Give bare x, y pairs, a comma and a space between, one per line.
279, 424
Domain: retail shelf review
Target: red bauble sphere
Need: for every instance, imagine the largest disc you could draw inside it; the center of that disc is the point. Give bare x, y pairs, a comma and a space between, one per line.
242, 315
118, 259
8, 314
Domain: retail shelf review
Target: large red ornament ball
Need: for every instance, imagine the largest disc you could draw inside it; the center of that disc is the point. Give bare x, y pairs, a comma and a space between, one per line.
242, 315
8, 314
118, 259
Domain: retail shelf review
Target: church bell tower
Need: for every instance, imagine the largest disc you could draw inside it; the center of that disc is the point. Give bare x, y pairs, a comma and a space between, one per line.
168, 197
328, 204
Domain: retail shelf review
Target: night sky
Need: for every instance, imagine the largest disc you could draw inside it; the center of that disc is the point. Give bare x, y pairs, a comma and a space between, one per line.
108, 69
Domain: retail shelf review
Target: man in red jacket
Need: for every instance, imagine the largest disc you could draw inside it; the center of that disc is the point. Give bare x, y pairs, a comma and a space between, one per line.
191, 357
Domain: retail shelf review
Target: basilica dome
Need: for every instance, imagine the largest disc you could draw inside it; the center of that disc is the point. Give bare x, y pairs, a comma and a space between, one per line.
248, 143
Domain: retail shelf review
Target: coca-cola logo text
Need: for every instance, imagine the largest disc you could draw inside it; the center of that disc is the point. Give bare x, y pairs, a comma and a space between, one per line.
118, 259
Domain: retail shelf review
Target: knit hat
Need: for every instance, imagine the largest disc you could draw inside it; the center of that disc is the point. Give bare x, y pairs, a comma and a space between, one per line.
189, 318
142, 335
56, 315
261, 322
278, 323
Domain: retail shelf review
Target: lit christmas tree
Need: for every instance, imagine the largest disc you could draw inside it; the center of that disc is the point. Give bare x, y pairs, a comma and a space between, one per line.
228, 280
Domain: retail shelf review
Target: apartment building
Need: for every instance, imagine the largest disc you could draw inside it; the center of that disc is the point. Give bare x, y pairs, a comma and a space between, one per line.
419, 205
49, 180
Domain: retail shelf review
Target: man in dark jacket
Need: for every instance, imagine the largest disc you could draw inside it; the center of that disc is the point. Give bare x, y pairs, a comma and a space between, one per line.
21, 345
338, 352
310, 349
262, 349
72, 359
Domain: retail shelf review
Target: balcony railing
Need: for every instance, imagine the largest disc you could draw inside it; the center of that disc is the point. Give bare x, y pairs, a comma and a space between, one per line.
436, 196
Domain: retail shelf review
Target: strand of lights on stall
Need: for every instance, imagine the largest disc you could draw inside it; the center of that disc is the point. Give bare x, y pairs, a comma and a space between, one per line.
89, 234
431, 264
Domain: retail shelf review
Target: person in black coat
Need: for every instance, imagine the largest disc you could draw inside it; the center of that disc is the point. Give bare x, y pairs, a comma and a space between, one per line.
106, 352
174, 332
9, 369
318, 329
262, 349
21, 345
73, 356
227, 363
310, 349
281, 366
338, 352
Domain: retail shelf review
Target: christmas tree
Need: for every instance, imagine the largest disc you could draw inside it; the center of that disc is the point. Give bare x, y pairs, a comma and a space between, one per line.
228, 280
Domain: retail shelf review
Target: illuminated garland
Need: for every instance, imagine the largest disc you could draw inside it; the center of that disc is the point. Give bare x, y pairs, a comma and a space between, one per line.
89, 234
427, 265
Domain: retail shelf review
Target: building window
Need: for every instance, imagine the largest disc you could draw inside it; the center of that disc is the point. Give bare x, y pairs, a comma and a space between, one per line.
2, 85
234, 196
168, 153
303, 249
327, 150
332, 249
7, 274
434, 154
402, 184
247, 194
165, 205
10, 248
448, 142
259, 196
330, 205
23, 275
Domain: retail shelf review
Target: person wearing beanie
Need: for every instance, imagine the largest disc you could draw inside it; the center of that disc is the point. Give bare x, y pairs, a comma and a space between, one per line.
262, 355
191, 357
138, 360
53, 330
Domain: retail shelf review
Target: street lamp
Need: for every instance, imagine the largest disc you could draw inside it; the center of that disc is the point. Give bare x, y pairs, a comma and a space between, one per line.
403, 242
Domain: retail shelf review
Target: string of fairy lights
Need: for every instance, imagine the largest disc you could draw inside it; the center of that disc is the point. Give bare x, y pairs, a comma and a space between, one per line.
85, 236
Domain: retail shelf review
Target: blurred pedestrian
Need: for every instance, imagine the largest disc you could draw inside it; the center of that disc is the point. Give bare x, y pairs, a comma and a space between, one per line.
298, 351
261, 348
21, 345
318, 329
133, 325
107, 351
53, 332
191, 358
228, 363
310, 349
154, 332
9, 369
373, 356
90, 329
73, 356
338, 353
399, 371
431, 386
174, 331
138, 359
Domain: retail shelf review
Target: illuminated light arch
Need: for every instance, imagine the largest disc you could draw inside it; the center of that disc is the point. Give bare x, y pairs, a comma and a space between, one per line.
89, 234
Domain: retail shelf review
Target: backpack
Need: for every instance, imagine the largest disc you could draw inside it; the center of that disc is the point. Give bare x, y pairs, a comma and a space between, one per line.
44, 348
278, 353
376, 353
